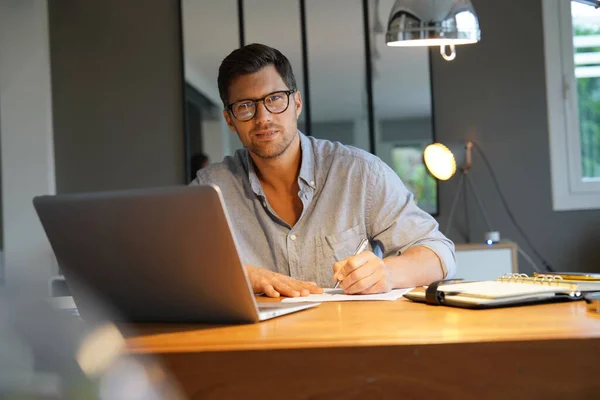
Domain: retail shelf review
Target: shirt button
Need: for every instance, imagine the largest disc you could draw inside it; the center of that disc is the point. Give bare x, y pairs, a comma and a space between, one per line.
312, 183
293, 237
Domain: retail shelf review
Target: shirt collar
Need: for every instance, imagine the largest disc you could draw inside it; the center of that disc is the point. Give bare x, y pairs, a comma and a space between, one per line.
254, 182
307, 166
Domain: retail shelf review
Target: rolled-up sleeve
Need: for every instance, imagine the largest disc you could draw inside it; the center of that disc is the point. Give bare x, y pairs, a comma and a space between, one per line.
396, 223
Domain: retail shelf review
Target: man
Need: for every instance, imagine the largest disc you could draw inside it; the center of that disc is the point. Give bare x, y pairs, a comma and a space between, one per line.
300, 205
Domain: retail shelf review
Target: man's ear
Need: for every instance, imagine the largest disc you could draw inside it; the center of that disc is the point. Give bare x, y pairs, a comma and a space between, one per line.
298, 101
229, 121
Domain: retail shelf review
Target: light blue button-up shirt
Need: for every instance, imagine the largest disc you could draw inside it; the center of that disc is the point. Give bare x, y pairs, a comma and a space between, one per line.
347, 194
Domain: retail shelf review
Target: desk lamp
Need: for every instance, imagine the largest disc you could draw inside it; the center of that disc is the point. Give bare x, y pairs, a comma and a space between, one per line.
442, 161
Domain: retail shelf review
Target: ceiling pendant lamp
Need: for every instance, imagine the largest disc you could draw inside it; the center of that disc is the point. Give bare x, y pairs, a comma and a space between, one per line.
433, 23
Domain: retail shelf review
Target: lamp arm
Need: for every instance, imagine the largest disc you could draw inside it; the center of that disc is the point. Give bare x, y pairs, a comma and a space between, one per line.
454, 202
479, 203
529, 260
545, 263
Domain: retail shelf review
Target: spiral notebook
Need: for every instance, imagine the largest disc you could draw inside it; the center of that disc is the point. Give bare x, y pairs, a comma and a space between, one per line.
507, 290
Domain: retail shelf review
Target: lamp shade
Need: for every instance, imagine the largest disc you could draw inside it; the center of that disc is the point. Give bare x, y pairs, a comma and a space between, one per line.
593, 3
442, 161
432, 23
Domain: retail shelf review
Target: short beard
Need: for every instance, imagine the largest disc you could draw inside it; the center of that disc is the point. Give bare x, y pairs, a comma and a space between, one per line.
274, 152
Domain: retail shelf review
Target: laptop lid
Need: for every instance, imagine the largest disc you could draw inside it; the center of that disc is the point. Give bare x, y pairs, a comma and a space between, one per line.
156, 255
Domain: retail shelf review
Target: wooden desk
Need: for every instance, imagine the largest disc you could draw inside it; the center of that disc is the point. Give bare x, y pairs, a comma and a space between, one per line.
381, 350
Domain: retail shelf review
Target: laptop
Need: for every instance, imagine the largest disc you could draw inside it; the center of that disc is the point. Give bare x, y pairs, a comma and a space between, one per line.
154, 255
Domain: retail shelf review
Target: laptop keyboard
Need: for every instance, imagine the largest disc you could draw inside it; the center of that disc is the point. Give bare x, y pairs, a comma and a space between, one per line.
274, 306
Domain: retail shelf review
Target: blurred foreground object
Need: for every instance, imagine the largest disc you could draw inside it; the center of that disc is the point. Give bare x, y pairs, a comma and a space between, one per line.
50, 354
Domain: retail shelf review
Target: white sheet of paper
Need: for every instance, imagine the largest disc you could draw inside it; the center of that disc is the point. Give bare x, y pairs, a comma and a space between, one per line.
338, 295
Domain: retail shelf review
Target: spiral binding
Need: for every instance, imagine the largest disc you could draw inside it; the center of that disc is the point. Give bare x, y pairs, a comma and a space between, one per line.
513, 277
548, 278
539, 279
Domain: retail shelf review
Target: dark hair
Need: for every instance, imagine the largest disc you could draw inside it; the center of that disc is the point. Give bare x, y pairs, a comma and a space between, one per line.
250, 59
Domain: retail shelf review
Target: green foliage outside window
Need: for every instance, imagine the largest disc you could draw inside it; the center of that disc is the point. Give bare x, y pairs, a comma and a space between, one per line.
408, 163
588, 93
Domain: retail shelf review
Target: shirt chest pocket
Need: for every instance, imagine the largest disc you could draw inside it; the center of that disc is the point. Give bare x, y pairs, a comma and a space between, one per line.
337, 247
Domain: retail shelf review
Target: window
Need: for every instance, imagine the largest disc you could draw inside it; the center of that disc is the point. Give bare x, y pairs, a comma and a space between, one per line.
586, 42
572, 48
408, 163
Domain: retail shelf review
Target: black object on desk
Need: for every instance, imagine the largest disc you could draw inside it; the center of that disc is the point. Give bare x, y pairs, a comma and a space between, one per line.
508, 290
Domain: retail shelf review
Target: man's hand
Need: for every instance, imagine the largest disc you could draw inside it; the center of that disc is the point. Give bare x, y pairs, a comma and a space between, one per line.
274, 285
364, 273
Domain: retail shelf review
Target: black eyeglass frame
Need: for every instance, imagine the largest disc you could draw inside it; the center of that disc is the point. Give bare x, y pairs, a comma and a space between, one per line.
262, 99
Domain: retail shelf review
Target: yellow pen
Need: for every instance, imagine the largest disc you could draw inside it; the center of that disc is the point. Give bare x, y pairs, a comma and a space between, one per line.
361, 247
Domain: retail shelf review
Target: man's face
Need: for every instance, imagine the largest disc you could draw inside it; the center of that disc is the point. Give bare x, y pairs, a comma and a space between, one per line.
267, 135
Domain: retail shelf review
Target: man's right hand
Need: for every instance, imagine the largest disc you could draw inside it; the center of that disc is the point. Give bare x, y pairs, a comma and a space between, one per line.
273, 284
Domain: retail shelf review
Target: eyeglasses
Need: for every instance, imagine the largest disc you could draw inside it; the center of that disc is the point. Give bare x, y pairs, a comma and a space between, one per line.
275, 103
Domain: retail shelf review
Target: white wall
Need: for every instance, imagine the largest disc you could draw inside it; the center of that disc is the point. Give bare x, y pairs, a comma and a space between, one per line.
361, 133
201, 83
218, 141
233, 139
214, 140
26, 136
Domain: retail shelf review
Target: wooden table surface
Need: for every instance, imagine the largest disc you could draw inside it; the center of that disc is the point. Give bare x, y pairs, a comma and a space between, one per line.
385, 323
385, 350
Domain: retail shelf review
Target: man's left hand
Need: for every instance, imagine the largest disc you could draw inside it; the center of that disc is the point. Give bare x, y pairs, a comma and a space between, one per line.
364, 273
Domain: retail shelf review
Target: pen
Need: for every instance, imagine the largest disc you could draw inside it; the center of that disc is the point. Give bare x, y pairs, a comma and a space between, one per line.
361, 247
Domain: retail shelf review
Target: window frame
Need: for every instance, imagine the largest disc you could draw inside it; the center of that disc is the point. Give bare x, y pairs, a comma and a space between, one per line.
570, 191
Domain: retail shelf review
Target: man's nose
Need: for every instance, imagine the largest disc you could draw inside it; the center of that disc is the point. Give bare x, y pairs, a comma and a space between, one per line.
262, 114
